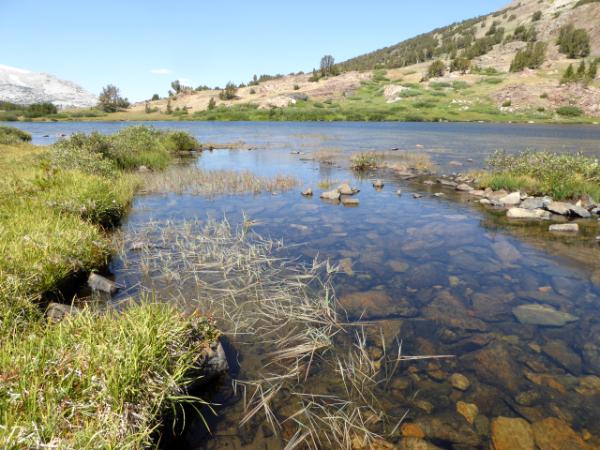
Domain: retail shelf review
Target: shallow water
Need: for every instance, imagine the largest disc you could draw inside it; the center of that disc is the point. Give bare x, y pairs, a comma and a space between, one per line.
454, 270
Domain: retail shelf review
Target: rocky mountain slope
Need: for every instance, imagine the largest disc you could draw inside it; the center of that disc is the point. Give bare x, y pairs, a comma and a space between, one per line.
24, 88
394, 77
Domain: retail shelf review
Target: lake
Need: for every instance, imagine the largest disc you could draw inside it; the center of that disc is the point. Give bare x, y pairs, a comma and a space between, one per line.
443, 275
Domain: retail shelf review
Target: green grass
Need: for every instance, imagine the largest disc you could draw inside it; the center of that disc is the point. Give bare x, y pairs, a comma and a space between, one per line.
96, 380
93, 380
561, 176
11, 135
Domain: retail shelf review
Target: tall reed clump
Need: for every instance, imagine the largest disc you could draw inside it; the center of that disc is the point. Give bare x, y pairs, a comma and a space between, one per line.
560, 175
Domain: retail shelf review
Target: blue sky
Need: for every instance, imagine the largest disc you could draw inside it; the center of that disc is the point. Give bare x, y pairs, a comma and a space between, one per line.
141, 46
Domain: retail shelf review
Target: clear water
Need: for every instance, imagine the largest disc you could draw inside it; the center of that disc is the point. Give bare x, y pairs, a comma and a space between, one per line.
460, 268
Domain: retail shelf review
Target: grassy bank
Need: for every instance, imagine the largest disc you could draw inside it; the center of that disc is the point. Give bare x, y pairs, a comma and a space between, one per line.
561, 176
93, 380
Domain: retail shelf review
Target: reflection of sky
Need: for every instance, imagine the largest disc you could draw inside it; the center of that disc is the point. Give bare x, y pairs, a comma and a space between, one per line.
445, 141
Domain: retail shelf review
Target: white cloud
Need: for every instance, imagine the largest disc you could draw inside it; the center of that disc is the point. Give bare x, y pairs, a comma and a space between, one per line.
161, 71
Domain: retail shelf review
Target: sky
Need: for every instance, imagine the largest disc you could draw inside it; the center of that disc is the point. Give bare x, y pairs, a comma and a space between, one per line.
141, 46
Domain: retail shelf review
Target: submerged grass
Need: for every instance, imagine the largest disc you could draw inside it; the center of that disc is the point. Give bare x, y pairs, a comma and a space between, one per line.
562, 176
93, 380
289, 312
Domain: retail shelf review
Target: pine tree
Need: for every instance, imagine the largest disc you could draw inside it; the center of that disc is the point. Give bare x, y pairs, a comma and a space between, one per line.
581, 71
593, 70
212, 104
569, 75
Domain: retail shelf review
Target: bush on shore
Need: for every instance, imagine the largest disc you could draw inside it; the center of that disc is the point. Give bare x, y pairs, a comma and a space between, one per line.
11, 135
561, 176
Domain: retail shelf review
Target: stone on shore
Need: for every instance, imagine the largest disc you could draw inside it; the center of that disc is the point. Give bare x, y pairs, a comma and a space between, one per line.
512, 199
565, 228
522, 213
535, 202
536, 314
463, 187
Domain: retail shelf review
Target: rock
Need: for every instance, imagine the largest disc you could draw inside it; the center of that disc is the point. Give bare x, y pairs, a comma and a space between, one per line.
345, 189
412, 430
399, 192
459, 382
215, 363
506, 252
561, 208
99, 283
555, 434
588, 385
463, 187
415, 195
398, 266
429, 182
143, 169
448, 183
522, 213
468, 410
528, 398
535, 202
512, 199
349, 201
580, 211
536, 314
378, 184
458, 433
450, 311
563, 355
439, 194
56, 312
308, 192
565, 228
375, 305
512, 434
330, 195
477, 193
494, 365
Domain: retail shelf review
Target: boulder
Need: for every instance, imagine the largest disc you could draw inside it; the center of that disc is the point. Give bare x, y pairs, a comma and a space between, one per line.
331, 195
512, 434
536, 314
512, 199
522, 213
552, 434
308, 192
580, 211
568, 209
565, 228
100, 284
535, 202
345, 189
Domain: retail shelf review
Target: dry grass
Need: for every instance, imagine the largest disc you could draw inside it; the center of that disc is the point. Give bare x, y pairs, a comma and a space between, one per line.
325, 155
312, 369
192, 180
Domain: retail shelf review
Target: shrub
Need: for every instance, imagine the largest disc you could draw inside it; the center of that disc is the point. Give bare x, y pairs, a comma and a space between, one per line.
460, 64
87, 153
180, 141
536, 16
569, 111
296, 87
436, 69
229, 93
531, 57
212, 104
507, 103
12, 135
574, 42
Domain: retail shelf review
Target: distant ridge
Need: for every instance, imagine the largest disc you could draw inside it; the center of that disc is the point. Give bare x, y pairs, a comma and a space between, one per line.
24, 87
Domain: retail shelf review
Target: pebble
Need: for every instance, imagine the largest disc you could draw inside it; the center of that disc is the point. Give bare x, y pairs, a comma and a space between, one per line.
460, 382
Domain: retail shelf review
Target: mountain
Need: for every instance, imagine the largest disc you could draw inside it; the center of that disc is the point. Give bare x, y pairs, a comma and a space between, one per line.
24, 87
394, 83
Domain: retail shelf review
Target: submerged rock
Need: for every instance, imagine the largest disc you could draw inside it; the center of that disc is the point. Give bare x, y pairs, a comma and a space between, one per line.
468, 410
512, 434
552, 433
522, 213
565, 228
563, 355
460, 382
536, 314
378, 184
375, 304
349, 201
99, 283
494, 365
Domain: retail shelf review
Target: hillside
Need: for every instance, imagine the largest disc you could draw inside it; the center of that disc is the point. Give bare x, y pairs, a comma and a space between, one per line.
23, 87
